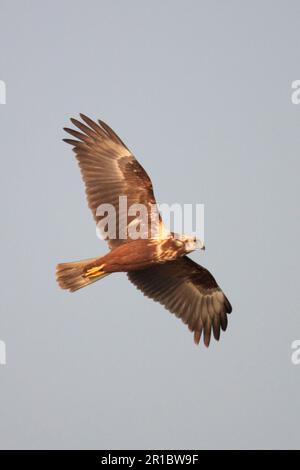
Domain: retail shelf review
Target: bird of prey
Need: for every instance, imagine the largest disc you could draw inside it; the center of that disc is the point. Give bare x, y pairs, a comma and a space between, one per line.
157, 265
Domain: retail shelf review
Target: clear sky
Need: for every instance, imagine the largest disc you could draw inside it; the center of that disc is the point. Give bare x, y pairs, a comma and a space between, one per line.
200, 91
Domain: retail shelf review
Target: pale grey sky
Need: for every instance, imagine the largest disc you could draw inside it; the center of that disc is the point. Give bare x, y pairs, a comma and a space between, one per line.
201, 93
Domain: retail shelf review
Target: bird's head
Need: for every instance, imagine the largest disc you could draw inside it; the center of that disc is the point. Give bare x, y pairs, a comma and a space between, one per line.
191, 243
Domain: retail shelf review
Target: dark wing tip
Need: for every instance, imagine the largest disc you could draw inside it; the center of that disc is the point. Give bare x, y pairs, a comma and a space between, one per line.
216, 328
197, 336
70, 141
74, 121
207, 337
76, 134
84, 117
93, 125
223, 321
227, 305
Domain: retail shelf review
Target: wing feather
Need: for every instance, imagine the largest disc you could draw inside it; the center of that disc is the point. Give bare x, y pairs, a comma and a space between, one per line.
110, 170
190, 292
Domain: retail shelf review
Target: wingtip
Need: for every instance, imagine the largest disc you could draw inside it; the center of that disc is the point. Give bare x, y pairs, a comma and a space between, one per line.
197, 336
83, 116
228, 305
73, 121
70, 141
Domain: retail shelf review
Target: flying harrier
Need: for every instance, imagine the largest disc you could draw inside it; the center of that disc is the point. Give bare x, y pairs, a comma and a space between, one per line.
157, 265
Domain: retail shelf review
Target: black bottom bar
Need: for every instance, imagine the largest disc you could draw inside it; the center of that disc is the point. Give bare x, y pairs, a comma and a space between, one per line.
137, 458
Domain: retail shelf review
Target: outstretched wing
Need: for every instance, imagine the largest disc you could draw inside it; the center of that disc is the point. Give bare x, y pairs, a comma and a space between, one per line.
109, 170
188, 290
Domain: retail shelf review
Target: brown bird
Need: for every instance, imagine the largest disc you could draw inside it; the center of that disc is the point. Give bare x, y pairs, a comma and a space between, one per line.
156, 264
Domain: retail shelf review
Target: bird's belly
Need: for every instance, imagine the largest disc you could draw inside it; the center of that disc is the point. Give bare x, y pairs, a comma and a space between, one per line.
138, 254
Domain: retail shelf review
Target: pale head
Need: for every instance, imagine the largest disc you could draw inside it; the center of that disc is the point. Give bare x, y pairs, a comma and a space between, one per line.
191, 242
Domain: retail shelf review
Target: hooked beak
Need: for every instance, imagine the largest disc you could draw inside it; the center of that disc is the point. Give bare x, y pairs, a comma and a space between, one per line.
200, 245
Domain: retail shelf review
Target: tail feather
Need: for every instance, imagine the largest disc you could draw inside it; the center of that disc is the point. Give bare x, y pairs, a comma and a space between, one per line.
75, 275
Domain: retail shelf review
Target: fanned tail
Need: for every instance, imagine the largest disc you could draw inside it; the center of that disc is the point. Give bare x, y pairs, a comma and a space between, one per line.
78, 274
